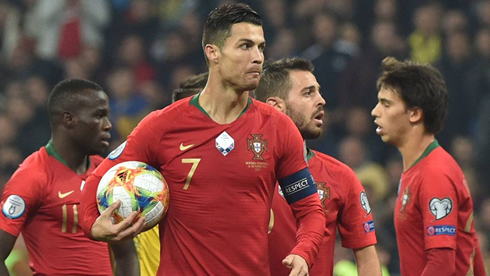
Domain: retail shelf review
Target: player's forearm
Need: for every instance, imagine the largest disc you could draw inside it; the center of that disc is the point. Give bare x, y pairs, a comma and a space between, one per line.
367, 261
311, 227
126, 258
440, 261
88, 205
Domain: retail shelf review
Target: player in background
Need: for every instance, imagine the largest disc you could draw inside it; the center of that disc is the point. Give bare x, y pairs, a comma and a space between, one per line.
289, 85
42, 198
148, 243
434, 209
221, 153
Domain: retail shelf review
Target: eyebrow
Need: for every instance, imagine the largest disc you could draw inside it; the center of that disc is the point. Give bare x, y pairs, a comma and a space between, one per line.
250, 41
383, 100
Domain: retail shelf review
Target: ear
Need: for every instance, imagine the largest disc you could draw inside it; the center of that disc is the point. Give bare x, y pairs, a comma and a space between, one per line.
277, 102
415, 115
212, 53
68, 120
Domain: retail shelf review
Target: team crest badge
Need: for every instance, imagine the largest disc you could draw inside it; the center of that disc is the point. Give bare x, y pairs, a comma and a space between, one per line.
365, 203
257, 145
406, 198
323, 192
440, 208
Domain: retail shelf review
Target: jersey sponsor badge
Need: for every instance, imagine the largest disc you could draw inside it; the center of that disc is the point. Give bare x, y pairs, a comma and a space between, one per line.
257, 146
117, 152
440, 208
14, 207
365, 203
368, 226
436, 230
225, 143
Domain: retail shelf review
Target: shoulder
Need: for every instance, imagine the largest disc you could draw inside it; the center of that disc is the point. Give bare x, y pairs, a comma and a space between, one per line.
35, 168
439, 161
332, 164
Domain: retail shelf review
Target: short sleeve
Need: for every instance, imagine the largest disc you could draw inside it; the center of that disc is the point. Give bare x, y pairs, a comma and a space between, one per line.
21, 197
292, 155
355, 221
439, 208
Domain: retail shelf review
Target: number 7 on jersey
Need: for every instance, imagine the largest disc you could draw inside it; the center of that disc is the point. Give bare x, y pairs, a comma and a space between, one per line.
195, 163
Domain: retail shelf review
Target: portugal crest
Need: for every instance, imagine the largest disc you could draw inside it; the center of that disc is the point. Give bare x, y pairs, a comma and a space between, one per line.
323, 192
257, 145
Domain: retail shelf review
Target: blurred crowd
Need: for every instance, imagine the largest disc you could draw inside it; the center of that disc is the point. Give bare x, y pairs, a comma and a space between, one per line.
140, 50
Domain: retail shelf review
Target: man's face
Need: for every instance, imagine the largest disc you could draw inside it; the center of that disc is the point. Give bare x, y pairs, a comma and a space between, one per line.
242, 57
392, 117
91, 130
305, 104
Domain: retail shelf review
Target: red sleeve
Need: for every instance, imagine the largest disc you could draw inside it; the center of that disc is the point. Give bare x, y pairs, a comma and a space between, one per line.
140, 146
479, 265
311, 227
440, 261
438, 202
355, 221
292, 155
21, 197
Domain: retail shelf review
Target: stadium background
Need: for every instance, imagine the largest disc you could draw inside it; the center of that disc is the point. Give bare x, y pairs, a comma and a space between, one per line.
139, 50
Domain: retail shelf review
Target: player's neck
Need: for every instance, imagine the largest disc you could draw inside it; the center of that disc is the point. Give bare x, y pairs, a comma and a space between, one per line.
223, 105
413, 148
74, 159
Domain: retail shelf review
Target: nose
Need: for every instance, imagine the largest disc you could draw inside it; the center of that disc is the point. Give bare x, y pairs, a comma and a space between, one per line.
106, 124
374, 112
322, 101
258, 55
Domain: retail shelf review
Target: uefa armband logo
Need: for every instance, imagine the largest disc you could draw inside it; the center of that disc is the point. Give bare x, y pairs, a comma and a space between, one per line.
14, 207
440, 208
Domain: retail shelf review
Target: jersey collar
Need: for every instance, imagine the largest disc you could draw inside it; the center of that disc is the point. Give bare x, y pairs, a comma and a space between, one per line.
427, 151
309, 154
52, 152
195, 102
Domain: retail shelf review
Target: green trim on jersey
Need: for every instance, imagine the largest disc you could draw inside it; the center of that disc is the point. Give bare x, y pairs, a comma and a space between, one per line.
427, 151
309, 154
52, 152
195, 102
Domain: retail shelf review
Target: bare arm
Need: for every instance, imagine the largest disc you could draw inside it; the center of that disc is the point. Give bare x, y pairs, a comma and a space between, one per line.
7, 242
126, 258
367, 261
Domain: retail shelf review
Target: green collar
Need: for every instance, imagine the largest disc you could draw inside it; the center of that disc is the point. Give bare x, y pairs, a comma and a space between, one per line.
195, 102
428, 150
52, 152
309, 154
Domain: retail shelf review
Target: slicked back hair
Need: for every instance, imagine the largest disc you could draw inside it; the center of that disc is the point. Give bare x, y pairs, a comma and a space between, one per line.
220, 20
190, 86
420, 86
275, 81
65, 96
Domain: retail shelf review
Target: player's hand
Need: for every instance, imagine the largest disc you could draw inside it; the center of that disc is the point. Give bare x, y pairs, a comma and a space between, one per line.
104, 229
297, 264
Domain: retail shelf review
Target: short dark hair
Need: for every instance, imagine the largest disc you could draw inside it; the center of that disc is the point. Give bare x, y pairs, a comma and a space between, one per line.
275, 81
65, 94
190, 86
220, 20
419, 85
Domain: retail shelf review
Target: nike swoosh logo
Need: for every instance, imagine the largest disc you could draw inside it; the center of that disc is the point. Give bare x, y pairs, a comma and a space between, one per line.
63, 195
182, 147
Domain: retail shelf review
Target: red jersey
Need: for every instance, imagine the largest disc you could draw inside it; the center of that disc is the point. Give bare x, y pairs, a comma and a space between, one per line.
434, 209
346, 206
221, 180
41, 200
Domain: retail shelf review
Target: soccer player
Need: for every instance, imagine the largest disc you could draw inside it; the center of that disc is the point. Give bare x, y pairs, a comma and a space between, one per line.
148, 243
290, 86
42, 198
434, 209
221, 153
